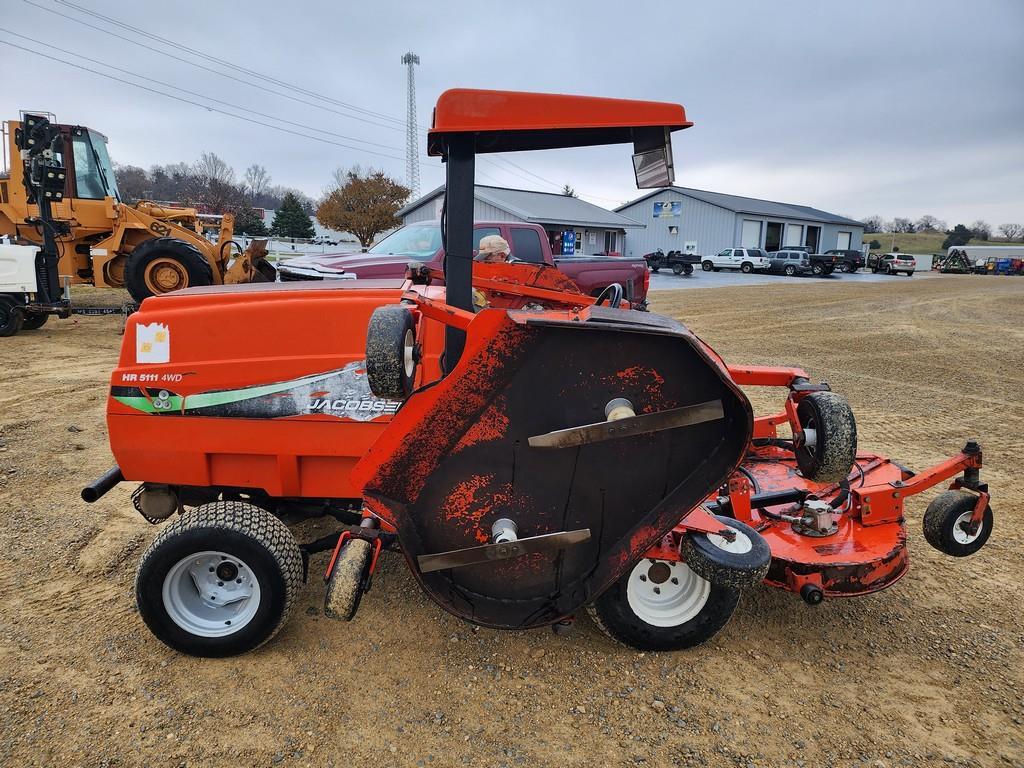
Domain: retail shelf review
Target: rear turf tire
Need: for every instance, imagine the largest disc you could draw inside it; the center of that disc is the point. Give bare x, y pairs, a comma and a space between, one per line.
631, 613
260, 558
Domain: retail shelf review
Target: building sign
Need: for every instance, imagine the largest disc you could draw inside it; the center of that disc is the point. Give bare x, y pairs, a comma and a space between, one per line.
568, 243
668, 210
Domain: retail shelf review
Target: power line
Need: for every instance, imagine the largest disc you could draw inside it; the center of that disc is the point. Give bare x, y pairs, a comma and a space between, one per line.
210, 69
199, 95
226, 63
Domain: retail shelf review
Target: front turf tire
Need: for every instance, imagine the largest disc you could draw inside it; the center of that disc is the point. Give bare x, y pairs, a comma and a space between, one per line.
631, 613
258, 556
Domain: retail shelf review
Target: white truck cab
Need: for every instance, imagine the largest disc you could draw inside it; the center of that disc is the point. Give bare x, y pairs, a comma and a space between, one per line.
744, 259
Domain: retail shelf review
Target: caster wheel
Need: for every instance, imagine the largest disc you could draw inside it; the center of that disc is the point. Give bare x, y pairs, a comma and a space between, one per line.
220, 580
829, 445
345, 587
391, 353
663, 606
947, 524
735, 564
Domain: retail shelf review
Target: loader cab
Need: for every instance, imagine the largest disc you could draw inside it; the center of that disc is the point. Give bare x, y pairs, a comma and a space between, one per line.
87, 159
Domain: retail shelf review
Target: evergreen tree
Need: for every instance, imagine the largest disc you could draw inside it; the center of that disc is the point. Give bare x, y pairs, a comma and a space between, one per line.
958, 235
248, 222
291, 220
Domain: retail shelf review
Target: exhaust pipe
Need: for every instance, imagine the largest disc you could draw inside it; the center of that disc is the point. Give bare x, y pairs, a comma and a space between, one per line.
98, 487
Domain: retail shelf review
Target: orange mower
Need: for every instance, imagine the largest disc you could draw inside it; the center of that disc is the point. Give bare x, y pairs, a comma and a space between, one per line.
531, 453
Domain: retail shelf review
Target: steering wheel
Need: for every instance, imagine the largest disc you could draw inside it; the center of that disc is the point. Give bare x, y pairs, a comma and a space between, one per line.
614, 295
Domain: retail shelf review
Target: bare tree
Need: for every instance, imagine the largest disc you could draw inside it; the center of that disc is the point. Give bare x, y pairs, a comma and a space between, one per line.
982, 230
901, 225
928, 223
872, 224
211, 168
256, 180
1012, 231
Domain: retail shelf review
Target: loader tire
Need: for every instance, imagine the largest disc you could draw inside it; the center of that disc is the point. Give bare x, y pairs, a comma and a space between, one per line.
220, 580
736, 564
391, 353
831, 455
345, 587
11, 316
165, 264
945, 521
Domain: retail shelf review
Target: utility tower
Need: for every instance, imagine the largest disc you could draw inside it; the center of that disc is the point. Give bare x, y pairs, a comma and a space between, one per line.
412, 151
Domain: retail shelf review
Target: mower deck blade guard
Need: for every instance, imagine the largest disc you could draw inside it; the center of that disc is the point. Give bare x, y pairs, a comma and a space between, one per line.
456, 458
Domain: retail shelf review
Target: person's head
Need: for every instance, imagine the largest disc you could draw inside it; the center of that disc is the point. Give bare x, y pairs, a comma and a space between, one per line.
493, 248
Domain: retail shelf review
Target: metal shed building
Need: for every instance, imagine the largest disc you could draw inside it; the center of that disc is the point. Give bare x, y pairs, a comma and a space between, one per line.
701, 222
573, 225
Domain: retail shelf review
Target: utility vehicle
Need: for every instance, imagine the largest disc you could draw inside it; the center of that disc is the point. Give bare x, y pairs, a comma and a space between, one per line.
532, 451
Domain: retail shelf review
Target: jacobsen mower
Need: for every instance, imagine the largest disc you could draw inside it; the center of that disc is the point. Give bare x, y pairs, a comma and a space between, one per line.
530, 450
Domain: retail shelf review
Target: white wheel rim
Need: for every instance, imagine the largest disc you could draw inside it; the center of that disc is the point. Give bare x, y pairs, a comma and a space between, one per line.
680, 597
961, 536
739, 546
407, 353
200, 598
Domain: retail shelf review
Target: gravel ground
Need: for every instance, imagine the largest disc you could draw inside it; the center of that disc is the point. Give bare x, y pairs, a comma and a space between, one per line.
930, 672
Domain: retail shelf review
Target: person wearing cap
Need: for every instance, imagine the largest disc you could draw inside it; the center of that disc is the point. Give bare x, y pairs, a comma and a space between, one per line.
494, 250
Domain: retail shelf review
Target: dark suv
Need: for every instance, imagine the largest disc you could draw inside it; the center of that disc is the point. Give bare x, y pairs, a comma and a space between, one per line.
847, 260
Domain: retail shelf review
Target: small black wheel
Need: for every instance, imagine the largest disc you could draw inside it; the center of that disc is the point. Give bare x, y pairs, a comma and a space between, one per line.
219, 580
677, 269
165, 264
34, 321
707, 266
910, 274
655, 269
345, 587
827, 447
661, 605
11, 316
391, 352
746, 267
790, 270
874, 270
947, 524
735, 564
688, 269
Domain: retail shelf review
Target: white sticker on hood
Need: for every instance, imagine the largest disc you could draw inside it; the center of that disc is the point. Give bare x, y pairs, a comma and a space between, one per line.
152, 343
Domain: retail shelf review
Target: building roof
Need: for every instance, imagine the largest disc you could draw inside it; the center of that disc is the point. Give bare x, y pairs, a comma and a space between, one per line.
540, 207
754, 206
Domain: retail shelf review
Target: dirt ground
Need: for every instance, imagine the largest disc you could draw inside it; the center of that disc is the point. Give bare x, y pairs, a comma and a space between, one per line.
930, 672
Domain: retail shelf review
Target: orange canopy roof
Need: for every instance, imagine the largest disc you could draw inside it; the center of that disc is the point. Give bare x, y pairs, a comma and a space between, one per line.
507, 121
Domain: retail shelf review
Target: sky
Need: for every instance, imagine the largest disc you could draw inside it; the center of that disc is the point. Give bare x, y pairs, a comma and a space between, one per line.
875, 107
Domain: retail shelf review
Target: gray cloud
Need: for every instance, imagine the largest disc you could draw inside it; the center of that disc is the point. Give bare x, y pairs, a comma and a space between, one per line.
891, 107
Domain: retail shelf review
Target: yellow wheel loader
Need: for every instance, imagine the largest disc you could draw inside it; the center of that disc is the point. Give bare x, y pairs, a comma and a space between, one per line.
100, 240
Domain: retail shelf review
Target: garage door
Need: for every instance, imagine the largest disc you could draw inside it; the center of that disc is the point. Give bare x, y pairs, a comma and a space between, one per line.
843, 242
751, 234
794, 234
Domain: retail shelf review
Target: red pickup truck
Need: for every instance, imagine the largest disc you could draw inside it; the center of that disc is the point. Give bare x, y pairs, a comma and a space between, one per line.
421, 242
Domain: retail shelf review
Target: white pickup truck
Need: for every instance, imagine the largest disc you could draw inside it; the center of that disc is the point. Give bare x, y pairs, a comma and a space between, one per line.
744, 259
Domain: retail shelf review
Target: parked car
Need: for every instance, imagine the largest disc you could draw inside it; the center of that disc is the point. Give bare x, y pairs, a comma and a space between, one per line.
892, 263
679, 262
848, 260
421, 242
790, 262
820, 264
744, 259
